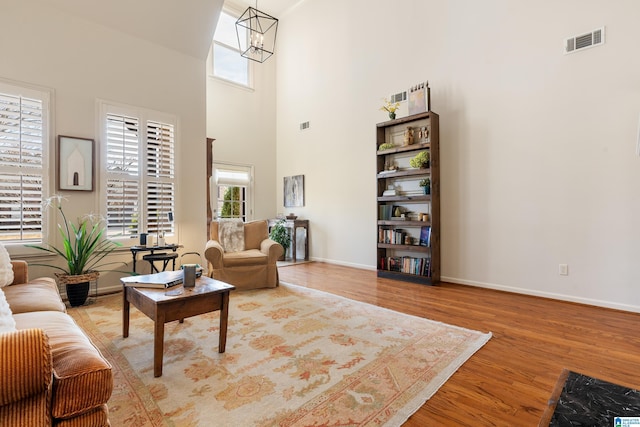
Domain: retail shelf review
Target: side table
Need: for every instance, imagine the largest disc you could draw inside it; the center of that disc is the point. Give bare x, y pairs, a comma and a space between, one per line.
294, 224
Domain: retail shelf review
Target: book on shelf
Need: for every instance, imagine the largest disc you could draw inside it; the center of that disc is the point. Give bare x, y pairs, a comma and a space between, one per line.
425, 236
162, 280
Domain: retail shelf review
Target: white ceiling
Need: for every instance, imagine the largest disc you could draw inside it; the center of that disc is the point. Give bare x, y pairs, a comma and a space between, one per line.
275, 8
186, 26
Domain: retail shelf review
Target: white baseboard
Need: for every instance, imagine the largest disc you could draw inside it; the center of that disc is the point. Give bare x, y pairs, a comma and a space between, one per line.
344, 264
551, 295
531, 292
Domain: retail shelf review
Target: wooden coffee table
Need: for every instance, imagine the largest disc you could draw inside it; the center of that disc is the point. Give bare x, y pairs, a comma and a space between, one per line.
208, 295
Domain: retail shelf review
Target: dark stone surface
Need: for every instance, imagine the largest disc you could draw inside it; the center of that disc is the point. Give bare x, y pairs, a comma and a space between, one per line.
587, 401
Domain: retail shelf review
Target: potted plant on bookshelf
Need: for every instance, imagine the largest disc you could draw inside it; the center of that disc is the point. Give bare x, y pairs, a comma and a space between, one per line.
420, 160
390, 107
426, 185
280, 234
83, 249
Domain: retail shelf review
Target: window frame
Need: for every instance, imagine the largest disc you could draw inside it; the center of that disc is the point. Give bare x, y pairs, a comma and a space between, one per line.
46, 97
249, 187
250, 66
144, 117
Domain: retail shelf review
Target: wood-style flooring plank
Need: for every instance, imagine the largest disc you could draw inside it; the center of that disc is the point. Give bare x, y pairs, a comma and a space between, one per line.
508, 382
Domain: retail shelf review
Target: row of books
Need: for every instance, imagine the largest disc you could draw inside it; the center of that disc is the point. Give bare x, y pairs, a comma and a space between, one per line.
396, 236
385, 212
391, 236
406, 264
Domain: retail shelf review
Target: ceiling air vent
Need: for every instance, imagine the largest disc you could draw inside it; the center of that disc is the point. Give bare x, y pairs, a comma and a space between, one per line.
583, 41
398, 97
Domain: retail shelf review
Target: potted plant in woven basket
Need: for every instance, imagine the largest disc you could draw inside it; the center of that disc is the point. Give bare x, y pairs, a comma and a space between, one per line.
83, 249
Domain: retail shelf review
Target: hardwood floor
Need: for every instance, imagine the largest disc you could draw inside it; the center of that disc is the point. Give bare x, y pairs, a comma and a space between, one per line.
507, 382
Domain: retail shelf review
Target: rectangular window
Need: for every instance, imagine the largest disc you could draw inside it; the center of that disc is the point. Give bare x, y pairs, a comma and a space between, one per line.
232, 187
24, 136
140, 172
228, 64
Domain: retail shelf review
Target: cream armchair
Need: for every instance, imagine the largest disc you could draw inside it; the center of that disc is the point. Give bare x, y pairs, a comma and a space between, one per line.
242, 254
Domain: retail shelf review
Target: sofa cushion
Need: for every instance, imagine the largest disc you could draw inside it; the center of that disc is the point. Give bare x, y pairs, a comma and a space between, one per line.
82, 378
6, 269
7, 323
37, 295
250, 257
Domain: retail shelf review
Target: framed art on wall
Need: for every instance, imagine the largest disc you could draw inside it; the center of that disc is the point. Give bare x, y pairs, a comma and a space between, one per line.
293, 191
75, 163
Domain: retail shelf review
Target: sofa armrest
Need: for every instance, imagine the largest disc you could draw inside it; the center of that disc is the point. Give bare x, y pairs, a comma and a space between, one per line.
272, 249
25, 365
20, 272
213, 252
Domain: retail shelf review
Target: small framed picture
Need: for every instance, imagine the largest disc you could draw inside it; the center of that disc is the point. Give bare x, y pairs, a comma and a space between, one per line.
75, 163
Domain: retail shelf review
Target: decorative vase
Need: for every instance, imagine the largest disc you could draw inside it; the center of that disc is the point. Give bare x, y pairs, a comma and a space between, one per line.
392, 115
77, 293
427, 189
77, 286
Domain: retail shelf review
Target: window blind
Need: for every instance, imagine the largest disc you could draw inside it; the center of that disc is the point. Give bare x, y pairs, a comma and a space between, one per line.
140, 175
22, 138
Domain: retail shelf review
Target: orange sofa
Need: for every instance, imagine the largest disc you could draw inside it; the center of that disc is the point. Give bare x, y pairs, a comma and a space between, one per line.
51, 374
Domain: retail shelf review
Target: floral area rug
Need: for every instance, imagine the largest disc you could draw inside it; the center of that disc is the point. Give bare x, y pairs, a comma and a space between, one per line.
294, 357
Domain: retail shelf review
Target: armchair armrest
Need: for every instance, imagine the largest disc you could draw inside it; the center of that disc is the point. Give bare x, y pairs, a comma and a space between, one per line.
213, 252
272, 249
20, 272
25, 365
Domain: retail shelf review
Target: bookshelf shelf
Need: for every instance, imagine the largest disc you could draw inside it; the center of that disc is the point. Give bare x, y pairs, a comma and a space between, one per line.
401, 250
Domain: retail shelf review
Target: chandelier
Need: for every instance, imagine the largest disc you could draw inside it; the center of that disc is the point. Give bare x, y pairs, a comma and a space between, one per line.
256, 34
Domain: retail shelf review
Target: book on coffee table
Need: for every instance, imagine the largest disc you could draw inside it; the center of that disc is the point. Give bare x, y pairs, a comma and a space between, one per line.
162, 280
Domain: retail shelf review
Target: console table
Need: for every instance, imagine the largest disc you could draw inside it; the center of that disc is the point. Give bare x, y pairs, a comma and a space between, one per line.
142, 248
294, 224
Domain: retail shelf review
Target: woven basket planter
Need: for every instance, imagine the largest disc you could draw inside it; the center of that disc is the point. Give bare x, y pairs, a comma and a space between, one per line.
65, 279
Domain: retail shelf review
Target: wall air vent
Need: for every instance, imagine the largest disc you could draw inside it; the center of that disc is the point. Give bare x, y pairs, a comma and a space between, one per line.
584, 41
398, 97
304, 125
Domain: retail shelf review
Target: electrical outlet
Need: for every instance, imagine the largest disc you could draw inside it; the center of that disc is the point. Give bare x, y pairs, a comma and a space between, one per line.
563, 269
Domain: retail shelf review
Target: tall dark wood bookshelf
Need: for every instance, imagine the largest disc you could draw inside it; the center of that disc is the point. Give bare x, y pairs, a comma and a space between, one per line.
402, 251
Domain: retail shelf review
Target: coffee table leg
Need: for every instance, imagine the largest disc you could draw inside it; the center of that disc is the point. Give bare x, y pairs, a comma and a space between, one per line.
126, 307
158, 346
224, 314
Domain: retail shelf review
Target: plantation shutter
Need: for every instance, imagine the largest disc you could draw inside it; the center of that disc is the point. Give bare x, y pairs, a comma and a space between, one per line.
22, 139
140, 174
160, 177
123, 170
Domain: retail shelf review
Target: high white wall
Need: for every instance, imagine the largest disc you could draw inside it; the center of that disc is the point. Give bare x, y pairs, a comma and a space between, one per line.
537, 148
81, 62
243, 123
